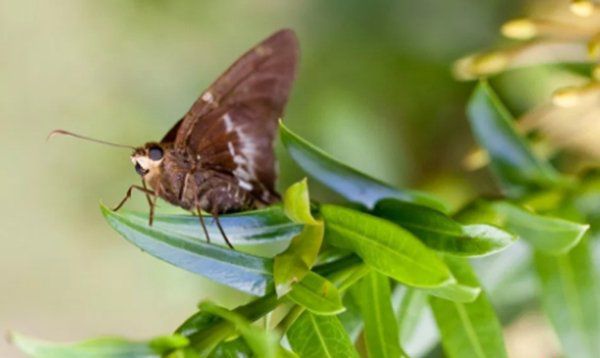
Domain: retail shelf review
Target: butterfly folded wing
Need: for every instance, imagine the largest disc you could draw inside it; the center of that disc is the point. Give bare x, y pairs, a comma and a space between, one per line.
232, 126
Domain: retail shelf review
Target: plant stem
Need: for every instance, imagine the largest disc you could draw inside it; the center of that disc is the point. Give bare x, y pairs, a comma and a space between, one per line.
289, 319
207, 339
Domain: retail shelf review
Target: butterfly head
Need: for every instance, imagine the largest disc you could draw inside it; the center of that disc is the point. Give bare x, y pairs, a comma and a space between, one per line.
147, 159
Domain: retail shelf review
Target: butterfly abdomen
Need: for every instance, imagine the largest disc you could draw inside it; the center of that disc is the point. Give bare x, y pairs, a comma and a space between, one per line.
219, 193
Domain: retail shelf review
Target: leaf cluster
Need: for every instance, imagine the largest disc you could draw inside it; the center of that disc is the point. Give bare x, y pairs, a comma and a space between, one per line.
363, 278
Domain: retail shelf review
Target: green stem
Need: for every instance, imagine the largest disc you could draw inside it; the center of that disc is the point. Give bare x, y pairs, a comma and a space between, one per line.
207, 339
289, 319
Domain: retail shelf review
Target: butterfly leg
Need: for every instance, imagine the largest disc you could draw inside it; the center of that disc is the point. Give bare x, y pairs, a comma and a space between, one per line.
151, 203
216, 219
128, 195
203, 224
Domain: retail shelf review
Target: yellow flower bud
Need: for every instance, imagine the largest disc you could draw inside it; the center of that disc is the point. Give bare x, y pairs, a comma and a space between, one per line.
566, 97
583, 8
490, 63
520, 29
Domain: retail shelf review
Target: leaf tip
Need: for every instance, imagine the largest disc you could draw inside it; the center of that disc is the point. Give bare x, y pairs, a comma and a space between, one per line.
165, 343
105, 209
583, 228
283, 131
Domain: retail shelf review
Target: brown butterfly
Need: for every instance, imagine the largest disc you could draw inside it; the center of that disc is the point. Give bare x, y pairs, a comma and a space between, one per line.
219, 157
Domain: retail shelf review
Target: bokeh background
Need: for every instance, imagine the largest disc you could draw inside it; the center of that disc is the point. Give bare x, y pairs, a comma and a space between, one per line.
374, 89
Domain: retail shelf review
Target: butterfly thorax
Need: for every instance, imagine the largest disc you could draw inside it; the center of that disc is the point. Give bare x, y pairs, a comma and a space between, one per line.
184, 181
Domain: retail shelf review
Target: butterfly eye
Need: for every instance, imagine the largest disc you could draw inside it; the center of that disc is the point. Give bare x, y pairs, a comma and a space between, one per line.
155, 153
140, 170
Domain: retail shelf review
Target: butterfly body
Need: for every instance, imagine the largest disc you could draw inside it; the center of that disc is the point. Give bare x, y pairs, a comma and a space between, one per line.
219, 157
182, 179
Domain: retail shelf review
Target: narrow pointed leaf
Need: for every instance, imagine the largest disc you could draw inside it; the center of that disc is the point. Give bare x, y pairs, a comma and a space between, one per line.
247, 273
251, 228
108, 347
296, 203
456, 291
313, 336
373, 296
346, 181
317, 294
468, 329
350, 318
511, 158
545, 233
417, 330
237, 348
292, 265
295, 262
570, 299
441, 233
508, 277
385, 247
393, 251
197, 322
183, 353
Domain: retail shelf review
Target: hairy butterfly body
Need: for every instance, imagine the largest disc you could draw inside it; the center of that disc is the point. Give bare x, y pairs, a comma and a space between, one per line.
219, 157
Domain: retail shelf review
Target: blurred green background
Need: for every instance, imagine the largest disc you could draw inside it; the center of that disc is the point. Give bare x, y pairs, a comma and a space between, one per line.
374, 89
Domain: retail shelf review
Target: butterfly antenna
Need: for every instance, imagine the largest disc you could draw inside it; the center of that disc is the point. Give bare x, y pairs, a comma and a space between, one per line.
71, 134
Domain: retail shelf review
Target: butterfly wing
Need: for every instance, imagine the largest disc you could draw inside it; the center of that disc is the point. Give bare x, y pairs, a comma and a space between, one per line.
172, 133
233, 124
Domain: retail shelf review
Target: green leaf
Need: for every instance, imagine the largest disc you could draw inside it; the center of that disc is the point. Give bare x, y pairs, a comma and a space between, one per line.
320, 337
296, 261
237, 348
317, 294
373, 296
296, 203
468, 329
570, 299
417, 330
245, 272
263, 343
166, 343
292, 267
394, 252
97, 348
509, 278
350, 318
197, 322
410, 309
348, 182
512, 161
441, 233
384, 246
545, 233
183, 353
455, 291
257, 228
